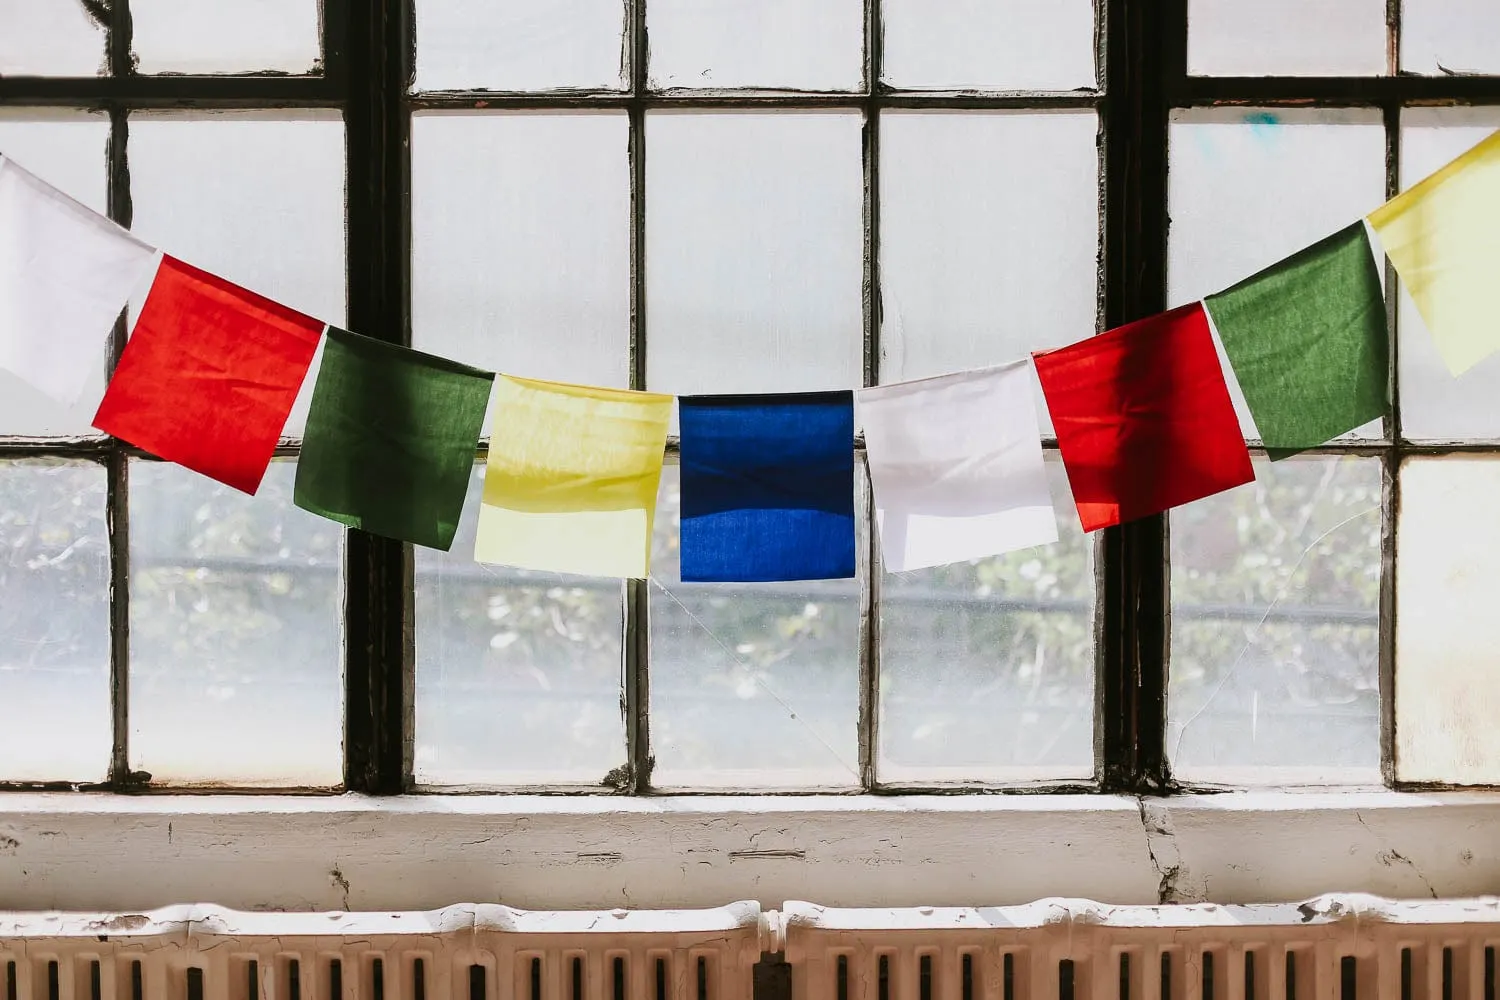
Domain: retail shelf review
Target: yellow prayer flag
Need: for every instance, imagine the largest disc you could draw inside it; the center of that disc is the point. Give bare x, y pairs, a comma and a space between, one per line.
1443, 236
570, 483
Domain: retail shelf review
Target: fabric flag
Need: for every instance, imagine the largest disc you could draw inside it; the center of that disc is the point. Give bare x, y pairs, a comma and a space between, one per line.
1443, 236
65, 275
1307, 341
390, 440
209, 375
767, 487
570, 485
1143, 418
956, 465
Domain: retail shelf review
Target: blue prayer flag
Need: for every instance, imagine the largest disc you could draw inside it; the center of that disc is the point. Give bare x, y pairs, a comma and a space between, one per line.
767, 487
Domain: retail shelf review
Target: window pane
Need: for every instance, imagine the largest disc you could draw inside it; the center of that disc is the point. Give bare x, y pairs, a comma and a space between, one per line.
1249, 188
784, 44
236, 665
521, 243
983, 45
1440, 37
54, 622
1434, 405
753, 685
1447, 575
190, 36
484, 45
1286, 37
754, 247
1275, 627
987, 667
518, 672
255, 198
67, 150
49, 38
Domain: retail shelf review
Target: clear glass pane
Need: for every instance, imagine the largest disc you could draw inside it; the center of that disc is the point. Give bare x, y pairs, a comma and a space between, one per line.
1286, 37
1276, 627
190, 36
983, 45
518, 673
987, 667
1249, 188
521, 243
782, 44
753, 685
236, 659
485, 45
67, 150
54, 622
255, 197
985, 255
754, 243
1439, 37
1435, 406
50, 38
1447, 575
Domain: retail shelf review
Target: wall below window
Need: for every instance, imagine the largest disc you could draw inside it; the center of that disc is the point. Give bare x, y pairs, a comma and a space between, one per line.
88, 852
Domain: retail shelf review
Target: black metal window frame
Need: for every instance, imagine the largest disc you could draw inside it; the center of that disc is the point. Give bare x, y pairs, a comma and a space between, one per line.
367, 73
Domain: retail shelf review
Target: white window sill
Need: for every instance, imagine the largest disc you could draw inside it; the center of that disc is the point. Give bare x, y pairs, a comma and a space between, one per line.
101, 852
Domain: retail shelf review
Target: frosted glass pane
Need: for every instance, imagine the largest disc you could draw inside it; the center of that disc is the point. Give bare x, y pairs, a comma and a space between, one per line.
1275, 627
1249, 188
255, 198
50, 38
1435, 406
67, 150
190, 36
521, 243
987, 667
1286, 37
984, 45
1439, 37
784, 44
1447, 575
754, 251
54, 622
518, 672
489, 45
985, 255
236, 665
753, 685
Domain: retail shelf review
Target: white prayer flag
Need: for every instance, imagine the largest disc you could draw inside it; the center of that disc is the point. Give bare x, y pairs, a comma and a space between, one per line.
956, 465
66, 273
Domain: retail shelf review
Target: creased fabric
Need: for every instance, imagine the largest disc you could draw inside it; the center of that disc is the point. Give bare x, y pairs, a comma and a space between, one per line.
1143, 418
767, 487
956, 467
66, 273
571, 479
209, 375
391, 438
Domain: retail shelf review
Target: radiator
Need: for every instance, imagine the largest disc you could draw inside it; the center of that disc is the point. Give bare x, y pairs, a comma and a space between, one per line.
1343, 947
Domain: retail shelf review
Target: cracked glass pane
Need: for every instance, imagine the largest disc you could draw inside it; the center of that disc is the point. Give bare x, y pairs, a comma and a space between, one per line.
50, 38
773, 44
488, 45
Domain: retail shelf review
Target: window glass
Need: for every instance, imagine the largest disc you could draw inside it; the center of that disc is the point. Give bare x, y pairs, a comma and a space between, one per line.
507, 46
190, 36
1286, 37
781, 44
50, 38
983, 45
1442, 37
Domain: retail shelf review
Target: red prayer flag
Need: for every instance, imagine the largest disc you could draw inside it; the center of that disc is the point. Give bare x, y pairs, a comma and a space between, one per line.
209, 375
1143, 416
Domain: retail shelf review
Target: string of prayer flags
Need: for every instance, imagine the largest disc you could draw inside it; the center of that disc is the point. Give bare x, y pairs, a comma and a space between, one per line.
209, 375
1143, 418
1307, 341
1443, 236
956, 466
767, 487
66, 273
389, 444
570, 483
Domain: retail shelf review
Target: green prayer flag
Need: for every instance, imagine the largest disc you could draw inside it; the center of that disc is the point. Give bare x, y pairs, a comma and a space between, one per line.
391, 439
1307, 340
